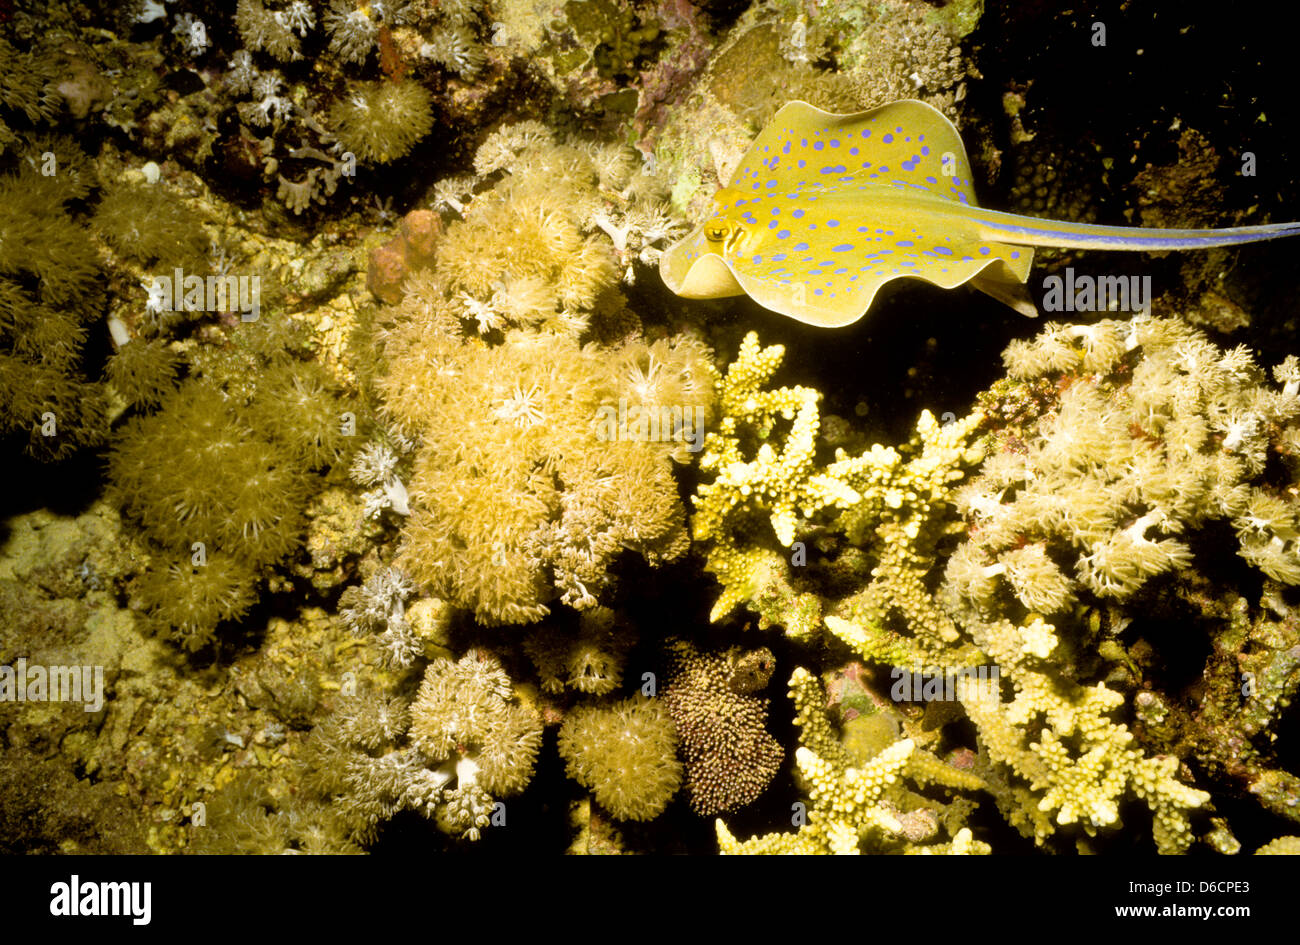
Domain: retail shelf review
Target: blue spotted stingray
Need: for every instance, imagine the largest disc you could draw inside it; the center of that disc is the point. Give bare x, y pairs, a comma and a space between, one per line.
826, 208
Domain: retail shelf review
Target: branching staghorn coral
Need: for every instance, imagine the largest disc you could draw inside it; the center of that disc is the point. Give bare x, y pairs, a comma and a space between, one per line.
1069, 761
759, 491
857, 805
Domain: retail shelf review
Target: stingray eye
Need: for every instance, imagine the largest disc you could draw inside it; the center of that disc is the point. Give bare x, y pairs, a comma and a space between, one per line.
715, 232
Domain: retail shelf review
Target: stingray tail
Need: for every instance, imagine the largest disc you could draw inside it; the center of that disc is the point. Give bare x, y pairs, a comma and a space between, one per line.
1031, 231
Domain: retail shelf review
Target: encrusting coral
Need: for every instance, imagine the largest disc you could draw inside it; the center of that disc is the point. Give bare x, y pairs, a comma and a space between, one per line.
722, 724
625, 754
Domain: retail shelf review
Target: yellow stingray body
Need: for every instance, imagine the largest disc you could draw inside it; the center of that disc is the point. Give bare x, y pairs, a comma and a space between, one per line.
825, 208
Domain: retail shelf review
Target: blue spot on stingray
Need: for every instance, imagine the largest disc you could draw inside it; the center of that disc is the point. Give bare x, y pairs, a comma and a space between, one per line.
817, 291
904, 242
866, 132
925, 150
984, 250
814, 272
773, 225
853, 150
802, 162
1015, 255
799, 246
931, 180
803, 142
797, 214
889, 139
840, 271
832, 222
771, 183
786, 149
778, 257
757, 259
775, 211
782, 234
943, 249
843, 247
818, 145
835, 144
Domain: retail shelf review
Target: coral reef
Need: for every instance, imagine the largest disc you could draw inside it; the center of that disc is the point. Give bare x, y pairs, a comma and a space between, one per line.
1077, 473
396, 541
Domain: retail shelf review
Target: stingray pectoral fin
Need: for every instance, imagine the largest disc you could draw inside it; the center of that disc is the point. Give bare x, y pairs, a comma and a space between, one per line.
1008, 293
804, 303
697, 275
1005, 280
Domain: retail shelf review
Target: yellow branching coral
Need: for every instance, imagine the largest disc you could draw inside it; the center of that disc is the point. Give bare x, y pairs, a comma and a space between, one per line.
625, 754
853, 806
1093, 472
882, 492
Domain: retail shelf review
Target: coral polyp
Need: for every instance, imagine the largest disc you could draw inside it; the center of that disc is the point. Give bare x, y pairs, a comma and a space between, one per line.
381, 121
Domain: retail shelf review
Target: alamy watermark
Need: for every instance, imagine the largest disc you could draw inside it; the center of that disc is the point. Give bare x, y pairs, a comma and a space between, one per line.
941, 685
652, 423
219, 293
1073, 293
75, 898
37, 683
